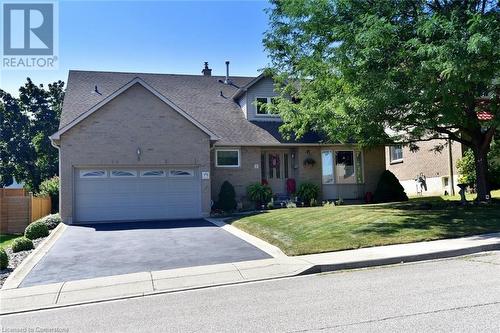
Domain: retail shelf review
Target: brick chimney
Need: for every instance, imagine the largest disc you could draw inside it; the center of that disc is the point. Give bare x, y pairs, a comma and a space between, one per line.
207, 71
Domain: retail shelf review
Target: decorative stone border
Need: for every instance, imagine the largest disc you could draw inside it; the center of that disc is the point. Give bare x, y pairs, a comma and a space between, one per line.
17, 276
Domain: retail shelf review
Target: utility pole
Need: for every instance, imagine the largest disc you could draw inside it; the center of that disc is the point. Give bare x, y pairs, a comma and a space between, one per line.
450, 165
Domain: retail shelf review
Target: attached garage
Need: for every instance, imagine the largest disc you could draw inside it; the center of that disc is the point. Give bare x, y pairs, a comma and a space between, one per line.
131, 194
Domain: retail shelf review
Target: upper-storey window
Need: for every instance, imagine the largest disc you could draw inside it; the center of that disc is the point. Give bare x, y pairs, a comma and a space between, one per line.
260, 105
396, 153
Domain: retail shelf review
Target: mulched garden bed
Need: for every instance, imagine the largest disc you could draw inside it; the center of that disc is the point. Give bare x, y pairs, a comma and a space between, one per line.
15, 260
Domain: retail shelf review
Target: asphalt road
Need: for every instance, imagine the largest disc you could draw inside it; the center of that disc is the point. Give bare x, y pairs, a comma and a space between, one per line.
459, 295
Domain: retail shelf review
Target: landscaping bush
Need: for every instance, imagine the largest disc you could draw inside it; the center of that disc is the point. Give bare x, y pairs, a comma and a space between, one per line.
50, 187
260, 194
4, 259
36, 230
227, 197
308, 193
22, 244
389, 189
467, 167
51, 221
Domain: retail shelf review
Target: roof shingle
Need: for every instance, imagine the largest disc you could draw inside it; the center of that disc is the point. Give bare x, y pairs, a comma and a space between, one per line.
205, 98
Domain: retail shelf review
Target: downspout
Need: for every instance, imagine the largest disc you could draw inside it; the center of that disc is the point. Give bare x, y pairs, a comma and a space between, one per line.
450, 165
59, 167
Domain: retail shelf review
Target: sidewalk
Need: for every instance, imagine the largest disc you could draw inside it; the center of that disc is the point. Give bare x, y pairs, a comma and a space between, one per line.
149, 283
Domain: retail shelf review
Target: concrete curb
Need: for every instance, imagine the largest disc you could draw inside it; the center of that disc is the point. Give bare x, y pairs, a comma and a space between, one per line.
272, 250
21, 271
324, 268
134, 285
411, 252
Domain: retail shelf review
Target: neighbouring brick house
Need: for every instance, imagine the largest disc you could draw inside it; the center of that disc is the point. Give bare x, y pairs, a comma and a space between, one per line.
137, 146
439, 169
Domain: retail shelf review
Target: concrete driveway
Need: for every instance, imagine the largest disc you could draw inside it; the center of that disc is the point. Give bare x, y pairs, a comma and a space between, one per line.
104, 249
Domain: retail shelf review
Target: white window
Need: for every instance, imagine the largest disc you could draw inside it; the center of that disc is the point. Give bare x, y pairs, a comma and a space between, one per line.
344, 167
327, 166
153, 173
93, 174
227, 158
260, 105
181, 173
396, 153
123, 173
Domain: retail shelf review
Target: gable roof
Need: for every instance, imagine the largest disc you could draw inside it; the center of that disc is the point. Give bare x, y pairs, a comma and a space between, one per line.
243, 89
136, 80
204, 100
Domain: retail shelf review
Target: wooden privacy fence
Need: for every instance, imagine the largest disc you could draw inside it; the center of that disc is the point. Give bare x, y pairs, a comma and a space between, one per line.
19, 208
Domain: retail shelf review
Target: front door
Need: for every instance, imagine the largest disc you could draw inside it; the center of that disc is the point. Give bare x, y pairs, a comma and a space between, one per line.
275, 167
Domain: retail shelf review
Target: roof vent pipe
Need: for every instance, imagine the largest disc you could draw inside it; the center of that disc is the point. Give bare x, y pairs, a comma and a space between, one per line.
227, 81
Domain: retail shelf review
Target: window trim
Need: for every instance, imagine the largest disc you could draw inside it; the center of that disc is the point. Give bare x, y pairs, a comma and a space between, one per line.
362, 161
398, 160
227, 149
269, 101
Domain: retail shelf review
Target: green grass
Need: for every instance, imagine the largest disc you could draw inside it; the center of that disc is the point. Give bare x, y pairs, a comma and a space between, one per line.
299, 231
6, 240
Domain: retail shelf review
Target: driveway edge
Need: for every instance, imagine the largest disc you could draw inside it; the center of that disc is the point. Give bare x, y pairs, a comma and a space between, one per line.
21, 271
262, 245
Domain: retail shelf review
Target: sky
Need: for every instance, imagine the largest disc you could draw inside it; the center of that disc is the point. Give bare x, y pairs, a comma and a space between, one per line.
154, 36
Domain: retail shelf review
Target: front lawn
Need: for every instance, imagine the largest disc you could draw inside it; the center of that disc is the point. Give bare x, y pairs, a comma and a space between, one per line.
299, 231
6, 240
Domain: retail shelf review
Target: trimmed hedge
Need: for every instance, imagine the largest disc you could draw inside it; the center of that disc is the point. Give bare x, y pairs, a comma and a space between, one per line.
36, 230
51, 221
227, 197
22, 244
389, 189
4, 259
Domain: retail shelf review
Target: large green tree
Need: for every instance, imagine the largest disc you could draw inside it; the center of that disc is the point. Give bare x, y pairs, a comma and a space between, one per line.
26, 122
389, 71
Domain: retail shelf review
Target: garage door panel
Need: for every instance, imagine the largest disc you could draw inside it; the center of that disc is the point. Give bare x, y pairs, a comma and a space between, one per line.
137, 197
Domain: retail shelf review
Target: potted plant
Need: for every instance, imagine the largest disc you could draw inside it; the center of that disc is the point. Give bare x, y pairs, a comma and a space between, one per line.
260, 194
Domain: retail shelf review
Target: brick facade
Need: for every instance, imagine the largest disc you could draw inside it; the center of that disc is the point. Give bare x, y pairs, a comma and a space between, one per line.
111, 136
434, 165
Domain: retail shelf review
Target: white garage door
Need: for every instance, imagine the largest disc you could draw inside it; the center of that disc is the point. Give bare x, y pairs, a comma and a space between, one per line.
130, 194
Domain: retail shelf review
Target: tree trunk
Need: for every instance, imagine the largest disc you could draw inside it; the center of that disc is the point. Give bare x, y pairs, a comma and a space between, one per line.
482, 186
